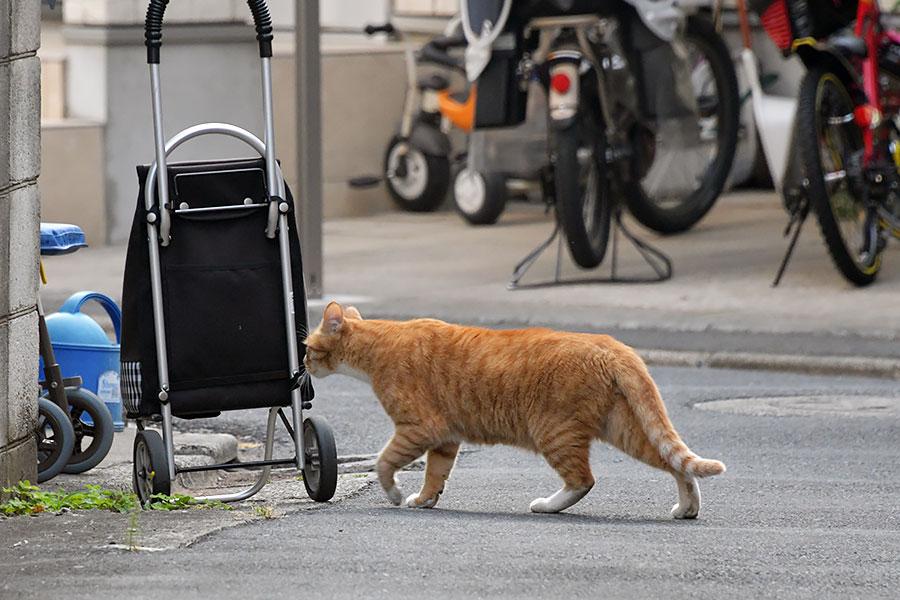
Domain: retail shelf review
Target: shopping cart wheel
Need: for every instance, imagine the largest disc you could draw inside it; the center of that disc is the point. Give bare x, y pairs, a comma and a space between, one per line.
93, 425
55, 439
320, 473
151, 470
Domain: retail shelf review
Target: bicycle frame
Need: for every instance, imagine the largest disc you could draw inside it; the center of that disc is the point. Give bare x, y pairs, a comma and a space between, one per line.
868, 27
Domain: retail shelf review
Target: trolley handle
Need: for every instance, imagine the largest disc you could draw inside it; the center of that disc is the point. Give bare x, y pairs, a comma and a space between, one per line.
157, 8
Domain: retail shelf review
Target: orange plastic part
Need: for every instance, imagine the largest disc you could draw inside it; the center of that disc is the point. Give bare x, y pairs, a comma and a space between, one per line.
461, 114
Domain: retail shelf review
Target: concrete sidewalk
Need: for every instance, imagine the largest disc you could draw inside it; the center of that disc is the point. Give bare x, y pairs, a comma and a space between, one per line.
718, 309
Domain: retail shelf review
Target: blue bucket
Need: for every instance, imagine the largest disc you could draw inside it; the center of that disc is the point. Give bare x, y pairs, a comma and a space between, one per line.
83, 349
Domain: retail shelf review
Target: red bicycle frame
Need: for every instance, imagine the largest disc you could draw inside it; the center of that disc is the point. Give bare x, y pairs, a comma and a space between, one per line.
868, 28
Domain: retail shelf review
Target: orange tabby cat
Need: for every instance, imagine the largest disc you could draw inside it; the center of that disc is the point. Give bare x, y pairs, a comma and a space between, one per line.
547, 391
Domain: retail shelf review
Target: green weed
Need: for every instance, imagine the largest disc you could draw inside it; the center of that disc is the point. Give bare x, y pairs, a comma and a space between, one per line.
266, 512
27, 499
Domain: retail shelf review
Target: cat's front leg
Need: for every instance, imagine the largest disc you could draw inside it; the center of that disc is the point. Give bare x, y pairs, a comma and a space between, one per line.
405, 447
437, 469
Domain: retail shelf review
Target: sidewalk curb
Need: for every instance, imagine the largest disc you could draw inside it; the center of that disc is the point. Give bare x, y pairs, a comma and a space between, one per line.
857, 366
808, 364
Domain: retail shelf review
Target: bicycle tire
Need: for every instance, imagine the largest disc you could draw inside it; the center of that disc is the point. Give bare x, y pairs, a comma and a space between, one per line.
818, 90
687, 211
572, 186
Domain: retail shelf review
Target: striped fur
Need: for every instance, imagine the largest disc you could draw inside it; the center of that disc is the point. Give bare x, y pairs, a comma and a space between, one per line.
547, 391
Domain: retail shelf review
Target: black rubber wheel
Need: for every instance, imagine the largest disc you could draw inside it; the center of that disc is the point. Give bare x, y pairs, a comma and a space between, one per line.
321, 470
683, 183
479, 197
93, 427
55, 439
583, 190
150, 474
417, 181
835, 149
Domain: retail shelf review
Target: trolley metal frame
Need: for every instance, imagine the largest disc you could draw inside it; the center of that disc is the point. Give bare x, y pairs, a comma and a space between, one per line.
159, 233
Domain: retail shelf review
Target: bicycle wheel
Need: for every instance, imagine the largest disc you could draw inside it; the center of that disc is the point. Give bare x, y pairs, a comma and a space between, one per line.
689, 169
832, 147
583, 191
55, 439
93, 425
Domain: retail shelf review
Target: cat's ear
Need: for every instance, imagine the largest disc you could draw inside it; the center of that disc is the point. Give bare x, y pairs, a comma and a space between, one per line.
352, 312
333, 319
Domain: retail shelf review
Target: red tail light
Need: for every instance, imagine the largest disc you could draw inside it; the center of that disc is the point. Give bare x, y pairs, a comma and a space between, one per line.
560, 82
777, 23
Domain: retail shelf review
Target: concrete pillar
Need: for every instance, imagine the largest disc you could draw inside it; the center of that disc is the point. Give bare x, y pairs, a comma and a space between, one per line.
20, 149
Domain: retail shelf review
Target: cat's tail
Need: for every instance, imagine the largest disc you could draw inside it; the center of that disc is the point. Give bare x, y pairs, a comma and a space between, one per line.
646, 403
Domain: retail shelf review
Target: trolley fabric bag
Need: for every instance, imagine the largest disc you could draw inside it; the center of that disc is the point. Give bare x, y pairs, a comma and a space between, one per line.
224, 316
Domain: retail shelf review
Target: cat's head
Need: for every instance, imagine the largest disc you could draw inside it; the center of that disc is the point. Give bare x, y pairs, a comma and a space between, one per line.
324, 347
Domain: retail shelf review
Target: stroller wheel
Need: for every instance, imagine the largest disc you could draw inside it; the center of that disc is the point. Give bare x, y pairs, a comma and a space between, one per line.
320, 473
93, 426
55, 439
151, 470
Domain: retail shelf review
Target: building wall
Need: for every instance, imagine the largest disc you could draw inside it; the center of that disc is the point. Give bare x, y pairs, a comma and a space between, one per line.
19, 236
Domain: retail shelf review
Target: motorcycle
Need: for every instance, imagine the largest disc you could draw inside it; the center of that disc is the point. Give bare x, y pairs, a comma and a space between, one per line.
642, 106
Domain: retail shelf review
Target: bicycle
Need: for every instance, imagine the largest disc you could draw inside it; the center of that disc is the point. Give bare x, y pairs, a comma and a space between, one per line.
620, 112
847, 125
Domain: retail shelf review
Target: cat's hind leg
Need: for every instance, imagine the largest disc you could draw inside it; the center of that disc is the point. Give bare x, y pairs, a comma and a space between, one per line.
438, 464
570, 458
405, 447
688, 506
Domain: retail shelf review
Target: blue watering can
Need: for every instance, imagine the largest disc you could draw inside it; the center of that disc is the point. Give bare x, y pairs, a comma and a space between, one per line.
83, 348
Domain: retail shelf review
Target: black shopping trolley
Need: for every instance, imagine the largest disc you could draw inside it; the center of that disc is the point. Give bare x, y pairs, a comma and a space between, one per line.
214, 306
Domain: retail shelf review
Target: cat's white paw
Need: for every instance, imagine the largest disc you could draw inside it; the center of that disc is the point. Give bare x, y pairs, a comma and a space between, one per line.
395, 495
413, 499
543, 505
561, 500
689, 511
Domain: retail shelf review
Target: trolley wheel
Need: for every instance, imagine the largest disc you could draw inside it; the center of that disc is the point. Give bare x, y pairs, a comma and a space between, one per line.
320, 473
93, 428
55, 439
151, 470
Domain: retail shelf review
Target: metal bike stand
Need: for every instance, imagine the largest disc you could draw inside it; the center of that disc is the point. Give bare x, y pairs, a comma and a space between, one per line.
797, 219
659, 262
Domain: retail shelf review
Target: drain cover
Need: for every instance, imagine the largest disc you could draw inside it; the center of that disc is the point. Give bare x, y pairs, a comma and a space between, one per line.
802, 406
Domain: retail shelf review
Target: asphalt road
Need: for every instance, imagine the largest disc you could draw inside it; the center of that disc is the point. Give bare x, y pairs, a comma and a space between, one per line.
807, 509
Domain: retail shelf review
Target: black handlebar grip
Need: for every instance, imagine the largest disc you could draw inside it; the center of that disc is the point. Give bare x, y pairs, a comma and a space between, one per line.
386, 28
157, 9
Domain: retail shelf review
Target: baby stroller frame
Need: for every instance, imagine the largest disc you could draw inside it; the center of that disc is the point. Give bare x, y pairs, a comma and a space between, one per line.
154, 459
